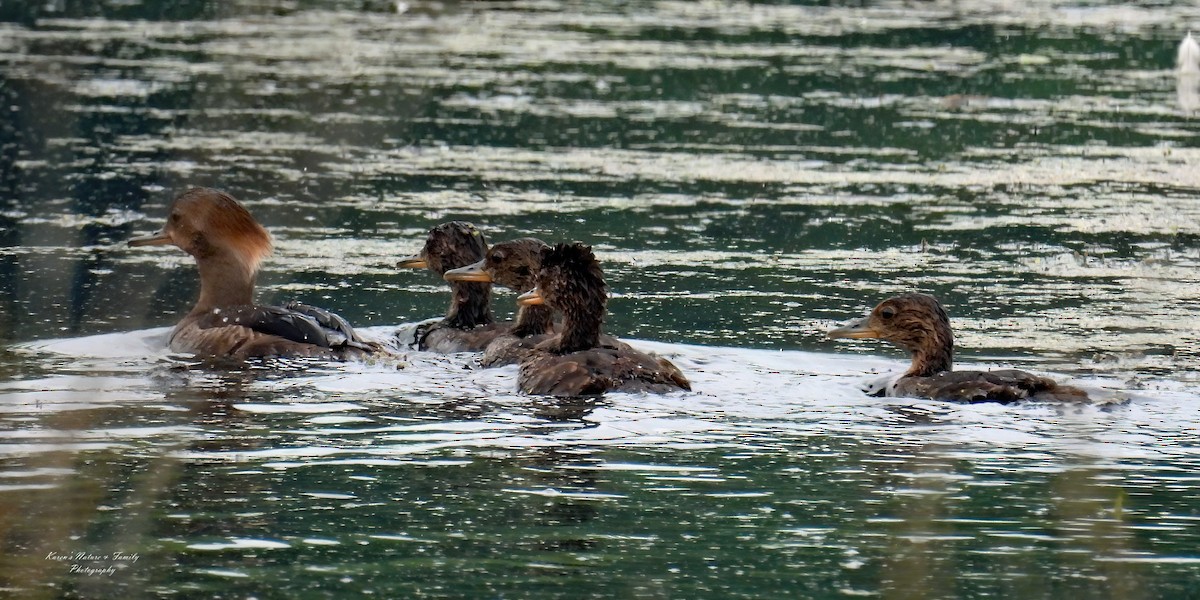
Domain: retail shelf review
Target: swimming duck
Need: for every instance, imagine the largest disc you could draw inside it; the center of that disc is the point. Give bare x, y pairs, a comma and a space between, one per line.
919, 324
512, 264
577, 361
228, 245
468, 325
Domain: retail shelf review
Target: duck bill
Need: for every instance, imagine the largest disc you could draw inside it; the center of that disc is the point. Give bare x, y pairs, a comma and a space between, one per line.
413, 262
159, 238
473, 272
531, 298
855, 330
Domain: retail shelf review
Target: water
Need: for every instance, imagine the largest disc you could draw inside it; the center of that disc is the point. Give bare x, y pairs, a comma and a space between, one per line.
749, 175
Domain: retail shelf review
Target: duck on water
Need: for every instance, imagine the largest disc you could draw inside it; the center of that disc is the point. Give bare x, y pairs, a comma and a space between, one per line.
469, 325
229, 245
577, 361
918, 323
514, 265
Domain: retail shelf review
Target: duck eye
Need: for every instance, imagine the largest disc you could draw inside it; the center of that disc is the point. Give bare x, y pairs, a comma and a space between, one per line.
887, 312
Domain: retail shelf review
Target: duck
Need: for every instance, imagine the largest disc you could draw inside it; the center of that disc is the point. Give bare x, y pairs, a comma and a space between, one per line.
512, 264
578, 361
229, 245
918, 323
469, 325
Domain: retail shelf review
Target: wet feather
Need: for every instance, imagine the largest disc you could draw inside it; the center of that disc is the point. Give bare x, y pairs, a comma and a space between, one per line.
575, 361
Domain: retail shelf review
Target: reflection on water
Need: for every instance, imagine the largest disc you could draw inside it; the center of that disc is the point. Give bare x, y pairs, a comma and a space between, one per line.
748, 174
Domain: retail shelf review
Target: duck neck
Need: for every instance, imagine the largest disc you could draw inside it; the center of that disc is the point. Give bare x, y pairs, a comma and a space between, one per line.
582, 304
935, 356
579, 332
471, 305
533, 320
224, 281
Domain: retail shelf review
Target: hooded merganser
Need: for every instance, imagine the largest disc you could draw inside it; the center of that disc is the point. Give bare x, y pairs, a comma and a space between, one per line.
512, 264
577, 361
228, 245
919, 324
468, 325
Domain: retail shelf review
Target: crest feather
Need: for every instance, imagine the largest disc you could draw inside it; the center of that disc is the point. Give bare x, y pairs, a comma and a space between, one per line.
225, 222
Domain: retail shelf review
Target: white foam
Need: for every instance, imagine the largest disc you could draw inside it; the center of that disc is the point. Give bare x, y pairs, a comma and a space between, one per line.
743, 399
133, 344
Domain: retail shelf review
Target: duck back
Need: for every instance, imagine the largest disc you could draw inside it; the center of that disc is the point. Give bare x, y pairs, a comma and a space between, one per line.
1005, 386
598, 370
443, 338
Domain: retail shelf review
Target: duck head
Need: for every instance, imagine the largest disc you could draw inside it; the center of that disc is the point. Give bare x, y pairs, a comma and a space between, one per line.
227, 243
512, 264
448, 246
916, 322
205, 222
570, 281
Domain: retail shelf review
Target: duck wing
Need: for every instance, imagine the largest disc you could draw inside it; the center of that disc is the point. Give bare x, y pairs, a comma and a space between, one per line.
641, 371
326, 319
1004, 386
545, 374
293, 325
444, 338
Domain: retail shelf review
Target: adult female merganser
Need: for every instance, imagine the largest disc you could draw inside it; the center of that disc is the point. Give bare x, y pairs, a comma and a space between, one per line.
468, 325
576, 361
512, 264
228, 245
919, 324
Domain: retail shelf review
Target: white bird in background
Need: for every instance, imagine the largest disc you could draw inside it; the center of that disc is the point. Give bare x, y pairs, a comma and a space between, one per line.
1187, 64
1188, 59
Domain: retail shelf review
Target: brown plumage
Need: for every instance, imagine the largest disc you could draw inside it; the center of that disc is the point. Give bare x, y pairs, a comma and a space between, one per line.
577, 361
512, 264
919, 324
468, 325
228, 245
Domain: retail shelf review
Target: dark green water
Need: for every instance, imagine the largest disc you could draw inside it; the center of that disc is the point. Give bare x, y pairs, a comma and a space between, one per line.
749, 175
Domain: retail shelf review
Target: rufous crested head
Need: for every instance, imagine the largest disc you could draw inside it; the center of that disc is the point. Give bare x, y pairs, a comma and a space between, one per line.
205, 222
